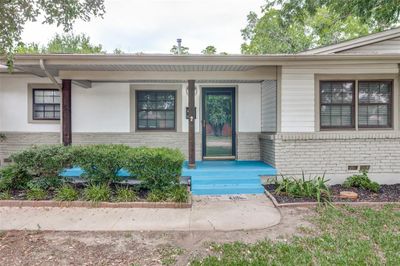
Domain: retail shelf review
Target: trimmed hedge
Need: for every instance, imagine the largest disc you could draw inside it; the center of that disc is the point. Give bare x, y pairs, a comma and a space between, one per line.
44, 161
157, 168
101, 163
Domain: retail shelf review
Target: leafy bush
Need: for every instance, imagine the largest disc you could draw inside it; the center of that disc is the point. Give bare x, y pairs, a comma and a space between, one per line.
361, 181
45, 183
5, 195
36, 193
316, 187
44, 161
13, 176
157, 195
157, 168
101, 163
125, 194
179, 194
97, 193
66, 193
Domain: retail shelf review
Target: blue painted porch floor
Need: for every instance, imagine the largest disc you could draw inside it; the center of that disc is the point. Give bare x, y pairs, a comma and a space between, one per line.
227, 177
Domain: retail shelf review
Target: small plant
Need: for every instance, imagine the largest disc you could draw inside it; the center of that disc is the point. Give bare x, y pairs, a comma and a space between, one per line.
13, 177
2, 137
36, 193
157, 195
125, 194
178, 194
66, 193
361, 181
97, 193
316, 187
5, 195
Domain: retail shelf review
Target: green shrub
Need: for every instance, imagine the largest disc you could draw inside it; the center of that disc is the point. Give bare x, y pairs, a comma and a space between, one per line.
44, 161
178, 194
36, 193
97, 193
5, 195
66, 193
13, 177
101, 163
125, 194
157, 195
157, 168
316, 187
361, 181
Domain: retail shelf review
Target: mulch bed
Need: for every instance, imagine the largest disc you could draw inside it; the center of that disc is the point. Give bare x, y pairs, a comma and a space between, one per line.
387, 193
21, 194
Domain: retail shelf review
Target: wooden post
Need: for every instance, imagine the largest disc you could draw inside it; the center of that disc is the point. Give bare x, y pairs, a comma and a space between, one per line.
192, 119
66, 112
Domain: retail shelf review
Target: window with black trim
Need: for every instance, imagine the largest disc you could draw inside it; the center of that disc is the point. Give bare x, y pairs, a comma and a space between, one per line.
46, 104
337, 104
155, 110
375, 104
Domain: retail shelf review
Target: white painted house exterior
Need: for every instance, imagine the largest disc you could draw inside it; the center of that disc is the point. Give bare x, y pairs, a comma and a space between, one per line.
277, 104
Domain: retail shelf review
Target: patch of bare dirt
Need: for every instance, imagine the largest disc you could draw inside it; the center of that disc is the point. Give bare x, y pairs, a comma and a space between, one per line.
133, 248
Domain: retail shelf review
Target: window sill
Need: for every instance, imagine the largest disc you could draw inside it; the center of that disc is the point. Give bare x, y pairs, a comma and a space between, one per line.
31, 121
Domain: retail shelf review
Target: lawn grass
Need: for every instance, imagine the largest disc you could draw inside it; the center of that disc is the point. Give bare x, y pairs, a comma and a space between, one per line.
342, 236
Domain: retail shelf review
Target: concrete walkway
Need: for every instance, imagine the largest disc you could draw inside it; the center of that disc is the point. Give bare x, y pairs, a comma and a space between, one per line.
224, 213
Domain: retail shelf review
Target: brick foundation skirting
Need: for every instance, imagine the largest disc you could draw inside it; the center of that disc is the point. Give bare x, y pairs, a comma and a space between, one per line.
317, 153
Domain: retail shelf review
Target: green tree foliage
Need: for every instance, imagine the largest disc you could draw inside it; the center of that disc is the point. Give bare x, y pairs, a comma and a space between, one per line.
14, 14
70, 44
291, 26
62, 44
219, 112
184, 50
270, 34
209, 50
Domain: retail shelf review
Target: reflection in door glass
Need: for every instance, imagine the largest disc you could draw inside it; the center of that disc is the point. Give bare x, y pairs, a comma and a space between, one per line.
218, 124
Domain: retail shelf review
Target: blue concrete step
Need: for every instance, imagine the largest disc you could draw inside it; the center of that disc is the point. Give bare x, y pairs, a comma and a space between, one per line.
227, 177
225, 180
227, 189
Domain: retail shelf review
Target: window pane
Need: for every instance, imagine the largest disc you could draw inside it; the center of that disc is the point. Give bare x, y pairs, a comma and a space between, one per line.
170, 124
152, 123
375, 99
336, 110
337, 93
142, 124
161, 123
160, 115
336, 103
156, 103
46, 104
363, 115
336, 121
325, 120
383, 110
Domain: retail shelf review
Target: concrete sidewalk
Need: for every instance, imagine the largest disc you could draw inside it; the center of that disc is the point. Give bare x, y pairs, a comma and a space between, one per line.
225, 213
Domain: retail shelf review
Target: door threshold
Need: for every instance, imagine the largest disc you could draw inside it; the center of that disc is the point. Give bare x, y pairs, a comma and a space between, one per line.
219, 158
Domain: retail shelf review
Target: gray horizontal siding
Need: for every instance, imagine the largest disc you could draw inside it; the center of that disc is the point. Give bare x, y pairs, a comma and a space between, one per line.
268, 106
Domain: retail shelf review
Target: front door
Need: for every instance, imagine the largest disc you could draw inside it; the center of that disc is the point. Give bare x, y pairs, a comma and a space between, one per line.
218, 114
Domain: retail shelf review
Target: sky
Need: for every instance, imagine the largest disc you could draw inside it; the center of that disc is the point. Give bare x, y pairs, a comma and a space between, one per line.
152, 26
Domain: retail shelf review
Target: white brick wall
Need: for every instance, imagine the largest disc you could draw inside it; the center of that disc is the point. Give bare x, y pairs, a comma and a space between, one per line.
316, 153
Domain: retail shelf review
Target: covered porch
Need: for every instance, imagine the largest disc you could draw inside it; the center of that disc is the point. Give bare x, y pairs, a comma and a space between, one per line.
113, 83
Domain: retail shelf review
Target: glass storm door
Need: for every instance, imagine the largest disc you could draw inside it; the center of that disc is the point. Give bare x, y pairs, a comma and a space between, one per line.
218, 114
